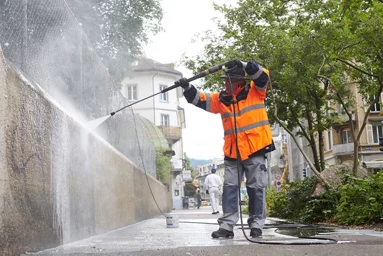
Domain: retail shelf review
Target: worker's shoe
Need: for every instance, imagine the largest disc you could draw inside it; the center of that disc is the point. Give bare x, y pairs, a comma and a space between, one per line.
222, 233
255, 232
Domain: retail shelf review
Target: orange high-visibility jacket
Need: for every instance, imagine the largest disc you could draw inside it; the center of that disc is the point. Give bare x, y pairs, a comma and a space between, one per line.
253, 128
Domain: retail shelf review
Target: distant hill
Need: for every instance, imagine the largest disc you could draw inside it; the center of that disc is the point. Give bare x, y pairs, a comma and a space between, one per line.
195, 162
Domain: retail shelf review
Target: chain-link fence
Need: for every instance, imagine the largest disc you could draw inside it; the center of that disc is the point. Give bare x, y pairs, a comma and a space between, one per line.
45, 41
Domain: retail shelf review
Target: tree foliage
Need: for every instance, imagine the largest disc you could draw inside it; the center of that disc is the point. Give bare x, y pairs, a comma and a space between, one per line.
118, 28
187, 163
315, 49
163, 166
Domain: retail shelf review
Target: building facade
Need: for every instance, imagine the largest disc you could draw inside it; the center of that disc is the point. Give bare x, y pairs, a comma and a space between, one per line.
144, 86
339, 145
338, 141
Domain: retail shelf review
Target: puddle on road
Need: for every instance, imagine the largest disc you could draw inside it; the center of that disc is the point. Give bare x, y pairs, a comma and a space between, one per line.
304, 231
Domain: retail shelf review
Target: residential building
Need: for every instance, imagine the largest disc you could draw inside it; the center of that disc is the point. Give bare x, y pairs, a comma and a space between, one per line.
339, 146
144, 85
338, 142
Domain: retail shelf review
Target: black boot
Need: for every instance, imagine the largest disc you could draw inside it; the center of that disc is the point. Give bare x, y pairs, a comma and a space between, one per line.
255, 232
222, 233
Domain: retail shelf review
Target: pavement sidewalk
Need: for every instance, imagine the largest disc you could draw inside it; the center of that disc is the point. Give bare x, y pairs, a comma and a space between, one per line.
193, 237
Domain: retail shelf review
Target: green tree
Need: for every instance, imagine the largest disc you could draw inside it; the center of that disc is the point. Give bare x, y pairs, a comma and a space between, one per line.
362, 54
163, 166
117, 29
187, 164
301, 42
276, 34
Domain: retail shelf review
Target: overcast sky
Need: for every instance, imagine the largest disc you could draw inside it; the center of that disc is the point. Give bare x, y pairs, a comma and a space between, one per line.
203, 135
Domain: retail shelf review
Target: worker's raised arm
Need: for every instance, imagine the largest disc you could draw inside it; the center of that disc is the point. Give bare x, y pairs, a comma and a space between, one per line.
206, 101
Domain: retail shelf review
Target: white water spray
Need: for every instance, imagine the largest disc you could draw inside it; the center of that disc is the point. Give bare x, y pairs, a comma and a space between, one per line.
91, 125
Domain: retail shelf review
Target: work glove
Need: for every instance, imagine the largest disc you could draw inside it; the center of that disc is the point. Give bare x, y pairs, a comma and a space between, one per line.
236, 63
183, 82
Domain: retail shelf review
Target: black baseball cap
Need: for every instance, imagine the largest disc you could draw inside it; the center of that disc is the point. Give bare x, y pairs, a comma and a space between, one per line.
235, 73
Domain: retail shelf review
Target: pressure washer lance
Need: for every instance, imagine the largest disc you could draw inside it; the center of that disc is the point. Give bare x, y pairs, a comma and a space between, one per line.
200, 75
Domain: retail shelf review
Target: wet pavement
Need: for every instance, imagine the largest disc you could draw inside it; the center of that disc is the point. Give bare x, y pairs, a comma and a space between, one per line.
193, 237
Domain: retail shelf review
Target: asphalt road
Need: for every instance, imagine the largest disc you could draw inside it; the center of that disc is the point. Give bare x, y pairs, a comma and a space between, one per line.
192, 237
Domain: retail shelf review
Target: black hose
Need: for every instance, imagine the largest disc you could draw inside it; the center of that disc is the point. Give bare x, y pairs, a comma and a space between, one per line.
317, 240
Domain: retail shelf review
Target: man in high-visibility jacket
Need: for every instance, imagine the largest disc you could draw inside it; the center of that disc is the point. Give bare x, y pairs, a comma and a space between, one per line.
247, 136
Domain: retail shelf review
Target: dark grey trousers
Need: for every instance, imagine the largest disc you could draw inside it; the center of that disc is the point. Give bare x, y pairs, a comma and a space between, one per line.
256, 180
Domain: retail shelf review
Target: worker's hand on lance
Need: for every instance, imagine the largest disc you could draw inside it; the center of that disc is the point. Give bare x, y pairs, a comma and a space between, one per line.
183, 82
236, 63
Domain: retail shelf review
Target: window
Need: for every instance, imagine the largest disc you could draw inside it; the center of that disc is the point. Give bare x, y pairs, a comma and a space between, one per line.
376, 107
329, 137
131, 91
328, 108
306, 170
341, 109
377, 131
346, 136
163, 96
165, 120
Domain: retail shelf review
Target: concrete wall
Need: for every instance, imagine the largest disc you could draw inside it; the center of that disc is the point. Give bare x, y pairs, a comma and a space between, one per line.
58, 181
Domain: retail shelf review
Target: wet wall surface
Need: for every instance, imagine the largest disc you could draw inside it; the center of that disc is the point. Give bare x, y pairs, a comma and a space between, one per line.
59, 182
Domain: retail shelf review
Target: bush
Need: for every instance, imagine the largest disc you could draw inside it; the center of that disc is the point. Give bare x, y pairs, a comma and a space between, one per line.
361, 200
276, 202
163, 166
357, 201
322, 208
288, 203
245, 209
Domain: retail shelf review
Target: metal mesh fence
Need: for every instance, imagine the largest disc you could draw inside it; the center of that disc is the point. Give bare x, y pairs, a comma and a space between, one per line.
45, 41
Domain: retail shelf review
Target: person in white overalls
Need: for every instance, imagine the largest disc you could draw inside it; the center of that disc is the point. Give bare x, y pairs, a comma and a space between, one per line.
213, 183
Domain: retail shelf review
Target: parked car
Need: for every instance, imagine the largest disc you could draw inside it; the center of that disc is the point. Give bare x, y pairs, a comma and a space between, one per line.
204, 203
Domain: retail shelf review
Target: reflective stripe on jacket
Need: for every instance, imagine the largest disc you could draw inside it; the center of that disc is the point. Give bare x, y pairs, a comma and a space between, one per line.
253, 128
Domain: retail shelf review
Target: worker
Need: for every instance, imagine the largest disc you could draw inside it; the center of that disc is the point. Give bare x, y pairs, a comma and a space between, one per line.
247, 139
213, 184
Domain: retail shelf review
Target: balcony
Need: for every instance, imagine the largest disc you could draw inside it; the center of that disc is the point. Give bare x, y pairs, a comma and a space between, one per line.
343, 118
343, 149
171, 133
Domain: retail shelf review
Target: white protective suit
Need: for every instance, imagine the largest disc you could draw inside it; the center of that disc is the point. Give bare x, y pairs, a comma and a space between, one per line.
213, 183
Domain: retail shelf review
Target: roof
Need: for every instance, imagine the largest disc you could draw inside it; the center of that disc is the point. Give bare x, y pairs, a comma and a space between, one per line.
155, 133
145, 64
200, 177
